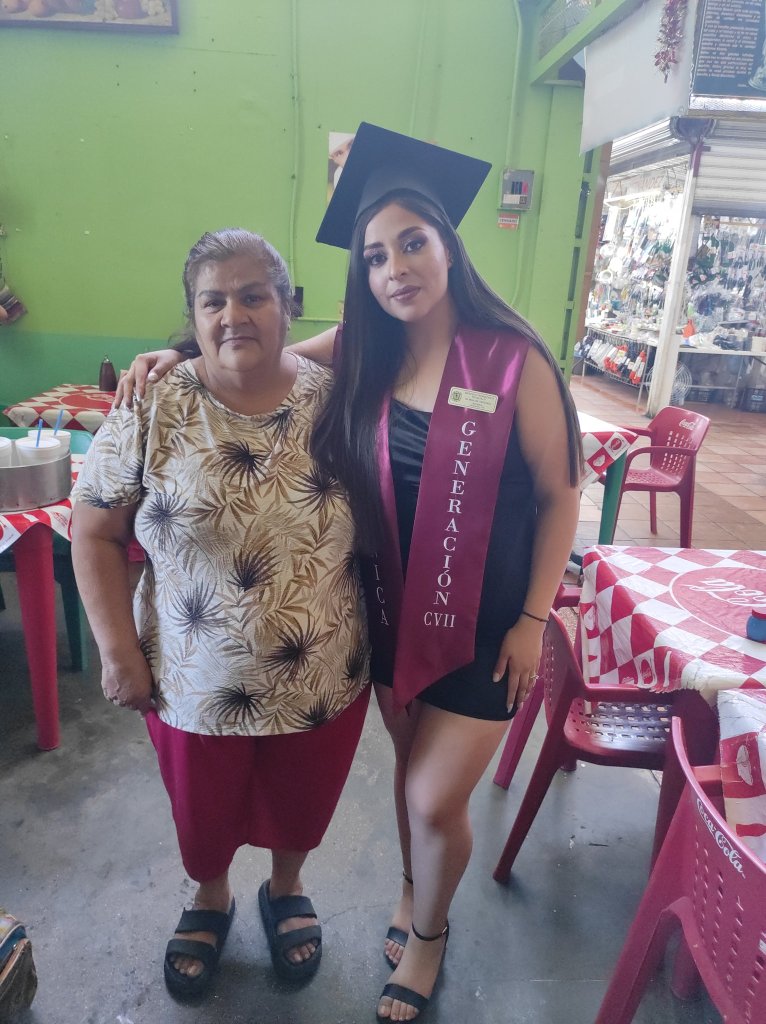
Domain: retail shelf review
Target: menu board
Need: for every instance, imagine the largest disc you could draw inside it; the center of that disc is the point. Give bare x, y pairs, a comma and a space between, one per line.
731, 49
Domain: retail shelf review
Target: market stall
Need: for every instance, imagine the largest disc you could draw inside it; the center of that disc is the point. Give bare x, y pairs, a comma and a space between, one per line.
722, 354
678, 90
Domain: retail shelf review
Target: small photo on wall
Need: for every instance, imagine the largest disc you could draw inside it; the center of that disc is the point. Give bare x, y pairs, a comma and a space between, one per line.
339, 146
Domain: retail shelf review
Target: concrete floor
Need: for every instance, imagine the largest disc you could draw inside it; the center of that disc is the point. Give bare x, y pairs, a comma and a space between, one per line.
88, 859
88, 855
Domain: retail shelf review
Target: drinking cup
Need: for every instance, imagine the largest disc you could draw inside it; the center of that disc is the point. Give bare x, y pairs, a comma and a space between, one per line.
28, 453
6, 451
62, 436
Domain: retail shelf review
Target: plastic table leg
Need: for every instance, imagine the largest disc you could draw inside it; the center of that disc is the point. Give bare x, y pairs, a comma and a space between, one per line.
33, 554
612, 485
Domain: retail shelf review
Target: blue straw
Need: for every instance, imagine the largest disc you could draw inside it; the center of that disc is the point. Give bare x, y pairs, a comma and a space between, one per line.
39, 433
59, 418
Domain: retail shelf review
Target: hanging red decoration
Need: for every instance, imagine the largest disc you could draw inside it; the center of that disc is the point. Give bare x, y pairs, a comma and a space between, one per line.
671, 35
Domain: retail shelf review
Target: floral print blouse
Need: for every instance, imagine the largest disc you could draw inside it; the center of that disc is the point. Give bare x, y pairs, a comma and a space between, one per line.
248, 610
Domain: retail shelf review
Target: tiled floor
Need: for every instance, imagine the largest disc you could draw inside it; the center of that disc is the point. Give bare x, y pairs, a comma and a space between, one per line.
730, 496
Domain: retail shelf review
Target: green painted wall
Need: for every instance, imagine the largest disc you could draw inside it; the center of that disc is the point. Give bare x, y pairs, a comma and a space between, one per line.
118, 150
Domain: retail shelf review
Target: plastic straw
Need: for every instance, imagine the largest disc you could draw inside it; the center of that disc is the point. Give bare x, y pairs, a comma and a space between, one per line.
39, 433
59, 418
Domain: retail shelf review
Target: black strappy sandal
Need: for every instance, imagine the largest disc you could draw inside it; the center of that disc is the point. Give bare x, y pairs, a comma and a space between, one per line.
397, 935
409, 995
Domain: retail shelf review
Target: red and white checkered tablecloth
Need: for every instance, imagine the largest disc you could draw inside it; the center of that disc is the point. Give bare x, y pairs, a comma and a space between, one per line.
58, 516
85, 408
742, 715
672, 618
603, 443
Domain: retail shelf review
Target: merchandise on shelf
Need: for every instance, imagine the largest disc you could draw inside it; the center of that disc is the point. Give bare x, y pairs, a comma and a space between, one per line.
618, 356
724, 308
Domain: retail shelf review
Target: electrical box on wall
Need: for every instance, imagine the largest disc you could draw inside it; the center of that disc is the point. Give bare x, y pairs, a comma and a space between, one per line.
516, 189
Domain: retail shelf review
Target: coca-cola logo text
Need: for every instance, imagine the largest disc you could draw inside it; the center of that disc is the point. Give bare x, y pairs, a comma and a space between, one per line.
732, 593
721, 596
722, 841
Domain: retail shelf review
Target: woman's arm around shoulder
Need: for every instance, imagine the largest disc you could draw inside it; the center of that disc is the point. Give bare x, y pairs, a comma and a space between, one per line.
319, 348
150, 366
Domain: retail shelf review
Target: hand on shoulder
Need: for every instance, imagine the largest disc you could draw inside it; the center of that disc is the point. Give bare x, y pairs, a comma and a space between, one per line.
149, 367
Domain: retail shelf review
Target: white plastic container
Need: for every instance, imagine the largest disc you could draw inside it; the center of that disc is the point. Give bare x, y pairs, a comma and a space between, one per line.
63, 436
30, 453
6, 451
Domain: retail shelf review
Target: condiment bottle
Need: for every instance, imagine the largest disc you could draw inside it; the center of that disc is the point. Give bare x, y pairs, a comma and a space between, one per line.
107, 378
756, 626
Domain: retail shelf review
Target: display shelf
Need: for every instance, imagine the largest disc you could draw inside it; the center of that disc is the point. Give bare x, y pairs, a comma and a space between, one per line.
622, 357
628, 358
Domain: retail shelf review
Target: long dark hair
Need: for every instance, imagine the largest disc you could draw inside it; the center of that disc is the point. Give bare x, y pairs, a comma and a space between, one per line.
373, 352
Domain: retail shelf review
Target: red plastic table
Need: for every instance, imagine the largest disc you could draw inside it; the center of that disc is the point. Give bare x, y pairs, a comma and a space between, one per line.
85, 408
30, 537
673, 620
605, 446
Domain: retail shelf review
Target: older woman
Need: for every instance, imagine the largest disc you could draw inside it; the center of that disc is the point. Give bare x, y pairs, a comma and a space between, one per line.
245, 649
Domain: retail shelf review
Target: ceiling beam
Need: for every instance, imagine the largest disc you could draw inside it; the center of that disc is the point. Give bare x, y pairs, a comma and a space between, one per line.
601, 18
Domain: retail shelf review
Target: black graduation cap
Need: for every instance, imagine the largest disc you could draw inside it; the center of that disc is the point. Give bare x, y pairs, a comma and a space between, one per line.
381, 161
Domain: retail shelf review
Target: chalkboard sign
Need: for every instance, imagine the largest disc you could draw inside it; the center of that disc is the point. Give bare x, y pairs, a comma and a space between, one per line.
731, 49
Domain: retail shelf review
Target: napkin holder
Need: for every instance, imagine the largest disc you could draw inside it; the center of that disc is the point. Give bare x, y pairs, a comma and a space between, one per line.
28, 487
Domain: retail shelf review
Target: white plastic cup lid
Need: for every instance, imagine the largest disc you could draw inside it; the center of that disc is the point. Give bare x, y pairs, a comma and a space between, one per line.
49, 432
31, 442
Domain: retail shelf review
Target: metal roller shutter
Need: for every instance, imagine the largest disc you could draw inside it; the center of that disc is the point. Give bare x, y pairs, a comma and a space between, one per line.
732, 178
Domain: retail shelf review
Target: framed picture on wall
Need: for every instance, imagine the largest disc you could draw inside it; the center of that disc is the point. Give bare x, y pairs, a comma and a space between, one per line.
109, 15
339, 146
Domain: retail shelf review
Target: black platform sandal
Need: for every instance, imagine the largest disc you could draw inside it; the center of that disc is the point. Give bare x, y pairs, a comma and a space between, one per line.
409, 995
397, 935
278, 909
216, 921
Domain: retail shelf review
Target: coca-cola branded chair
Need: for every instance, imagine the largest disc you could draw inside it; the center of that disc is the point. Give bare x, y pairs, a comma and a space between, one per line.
675, 436
568, 596
622, 726
712, 888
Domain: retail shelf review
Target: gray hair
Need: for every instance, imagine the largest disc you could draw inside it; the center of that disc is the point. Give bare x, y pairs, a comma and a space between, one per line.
217, 246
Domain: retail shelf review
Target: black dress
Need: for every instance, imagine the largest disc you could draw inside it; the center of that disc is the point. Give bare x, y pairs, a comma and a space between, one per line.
469, 690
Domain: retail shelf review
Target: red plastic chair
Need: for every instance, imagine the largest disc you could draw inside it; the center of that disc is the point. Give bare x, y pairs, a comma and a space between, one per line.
568, 596
676, 436
705, 882
610, 725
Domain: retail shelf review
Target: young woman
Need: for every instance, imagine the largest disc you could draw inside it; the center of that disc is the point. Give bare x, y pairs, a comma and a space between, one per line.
248, 652
454, 434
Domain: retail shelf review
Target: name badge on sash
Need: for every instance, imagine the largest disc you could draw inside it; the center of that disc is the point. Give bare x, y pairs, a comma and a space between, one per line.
479, 401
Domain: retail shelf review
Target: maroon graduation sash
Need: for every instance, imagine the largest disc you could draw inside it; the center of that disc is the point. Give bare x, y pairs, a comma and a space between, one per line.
428, 627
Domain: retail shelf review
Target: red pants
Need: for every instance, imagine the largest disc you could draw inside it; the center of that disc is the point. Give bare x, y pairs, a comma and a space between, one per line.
277, 792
